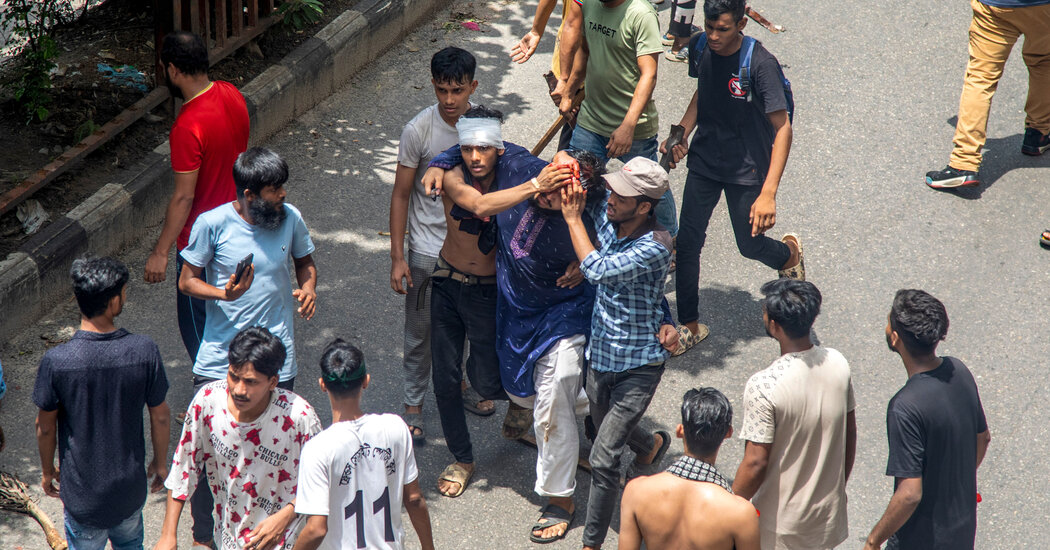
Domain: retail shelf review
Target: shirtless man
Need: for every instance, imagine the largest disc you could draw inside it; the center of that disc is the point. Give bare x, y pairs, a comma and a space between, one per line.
691, 506
463, 299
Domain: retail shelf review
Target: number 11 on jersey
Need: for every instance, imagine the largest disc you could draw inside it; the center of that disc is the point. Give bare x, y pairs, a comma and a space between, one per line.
356, 509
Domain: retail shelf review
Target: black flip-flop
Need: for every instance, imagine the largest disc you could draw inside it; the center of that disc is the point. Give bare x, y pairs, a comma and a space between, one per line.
555, 515
471, 398
637, 470
1043, 241
415, 423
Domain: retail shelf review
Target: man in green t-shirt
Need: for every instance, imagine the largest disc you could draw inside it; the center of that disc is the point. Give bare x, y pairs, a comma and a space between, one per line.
620, 42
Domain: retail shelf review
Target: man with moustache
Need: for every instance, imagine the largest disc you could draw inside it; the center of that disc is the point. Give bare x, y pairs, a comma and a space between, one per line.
209, 132
248, 433
260, 223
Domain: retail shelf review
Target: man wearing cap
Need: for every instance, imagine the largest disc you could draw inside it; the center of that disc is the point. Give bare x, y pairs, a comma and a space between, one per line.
630, 330
463, 299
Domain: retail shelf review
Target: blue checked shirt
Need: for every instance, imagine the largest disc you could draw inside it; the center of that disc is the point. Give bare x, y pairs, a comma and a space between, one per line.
629, 304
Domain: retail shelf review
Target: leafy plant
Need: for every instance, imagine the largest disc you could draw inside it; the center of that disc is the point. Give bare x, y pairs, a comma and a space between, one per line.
30, 21
298, 14
87, 128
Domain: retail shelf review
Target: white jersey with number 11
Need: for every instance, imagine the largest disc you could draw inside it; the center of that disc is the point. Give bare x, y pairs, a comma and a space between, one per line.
354, 472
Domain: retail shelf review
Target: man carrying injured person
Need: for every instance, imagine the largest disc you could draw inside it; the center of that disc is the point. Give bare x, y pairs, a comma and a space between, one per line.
543, 311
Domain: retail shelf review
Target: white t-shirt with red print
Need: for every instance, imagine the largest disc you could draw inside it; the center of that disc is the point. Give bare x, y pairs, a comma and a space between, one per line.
252, 467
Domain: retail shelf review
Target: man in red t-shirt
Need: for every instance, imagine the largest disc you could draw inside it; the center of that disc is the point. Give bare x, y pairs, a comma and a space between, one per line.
209, 132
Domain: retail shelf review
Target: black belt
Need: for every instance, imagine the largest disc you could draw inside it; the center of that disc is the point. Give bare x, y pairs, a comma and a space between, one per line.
444, 269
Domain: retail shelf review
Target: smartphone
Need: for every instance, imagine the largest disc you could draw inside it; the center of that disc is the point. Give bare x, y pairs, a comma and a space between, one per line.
241, 266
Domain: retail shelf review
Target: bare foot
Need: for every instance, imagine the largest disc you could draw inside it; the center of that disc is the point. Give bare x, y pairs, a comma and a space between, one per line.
560, 528
414, 409
487, 405
449, 488
658, 441
793, 246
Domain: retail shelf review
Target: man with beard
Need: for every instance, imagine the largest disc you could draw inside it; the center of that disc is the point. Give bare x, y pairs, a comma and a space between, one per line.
631, 330
463, 300
209, 133
260, 224
249, 433
799, 428
543, 313
938, 436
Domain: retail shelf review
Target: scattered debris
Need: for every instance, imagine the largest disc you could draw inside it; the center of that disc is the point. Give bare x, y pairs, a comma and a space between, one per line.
32, 216
125, 75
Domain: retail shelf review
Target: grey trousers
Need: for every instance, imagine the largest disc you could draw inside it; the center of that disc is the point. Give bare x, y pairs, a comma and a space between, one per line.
417, 328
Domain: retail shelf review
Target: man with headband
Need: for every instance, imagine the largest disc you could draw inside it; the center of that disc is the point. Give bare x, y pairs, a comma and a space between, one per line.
543, 313
362, 466
463, 299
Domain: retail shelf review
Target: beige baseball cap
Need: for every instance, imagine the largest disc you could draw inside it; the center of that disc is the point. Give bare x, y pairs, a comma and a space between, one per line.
640, 176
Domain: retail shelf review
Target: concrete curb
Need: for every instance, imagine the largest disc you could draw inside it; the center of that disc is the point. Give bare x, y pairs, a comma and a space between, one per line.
38, 272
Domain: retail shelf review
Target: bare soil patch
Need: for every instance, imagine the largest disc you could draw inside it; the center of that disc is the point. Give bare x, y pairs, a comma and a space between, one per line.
117, 33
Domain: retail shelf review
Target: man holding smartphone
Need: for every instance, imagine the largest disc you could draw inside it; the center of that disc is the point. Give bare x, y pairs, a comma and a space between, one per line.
272, 233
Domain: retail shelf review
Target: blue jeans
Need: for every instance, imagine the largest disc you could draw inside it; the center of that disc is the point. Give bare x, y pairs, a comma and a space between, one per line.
190, 312
617, 400
127, 535
587, 140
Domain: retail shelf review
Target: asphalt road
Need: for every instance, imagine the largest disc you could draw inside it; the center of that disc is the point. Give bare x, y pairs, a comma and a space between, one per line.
876, 90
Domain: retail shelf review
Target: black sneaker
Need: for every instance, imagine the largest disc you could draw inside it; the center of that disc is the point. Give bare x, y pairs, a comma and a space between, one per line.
950, 177
1035, 143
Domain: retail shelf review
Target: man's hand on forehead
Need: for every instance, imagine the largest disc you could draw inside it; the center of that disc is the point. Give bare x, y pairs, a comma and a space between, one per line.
552, 177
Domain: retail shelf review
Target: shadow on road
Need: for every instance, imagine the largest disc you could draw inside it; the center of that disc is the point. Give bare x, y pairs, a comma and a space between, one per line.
1000, 156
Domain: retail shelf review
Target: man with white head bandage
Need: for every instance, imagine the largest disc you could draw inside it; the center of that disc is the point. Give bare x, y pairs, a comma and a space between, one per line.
463, 300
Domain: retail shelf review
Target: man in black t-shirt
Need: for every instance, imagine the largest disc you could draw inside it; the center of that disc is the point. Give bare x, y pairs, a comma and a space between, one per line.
740, 148
91, 392
937, 436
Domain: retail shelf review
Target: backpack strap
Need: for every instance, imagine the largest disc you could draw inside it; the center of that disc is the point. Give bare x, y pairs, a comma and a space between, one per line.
747, 48
696, 50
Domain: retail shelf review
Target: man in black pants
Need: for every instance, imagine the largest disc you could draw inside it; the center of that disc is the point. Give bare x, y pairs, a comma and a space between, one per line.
740, 148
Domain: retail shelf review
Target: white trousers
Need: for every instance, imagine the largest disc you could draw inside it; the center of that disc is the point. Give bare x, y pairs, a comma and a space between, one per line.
558, 378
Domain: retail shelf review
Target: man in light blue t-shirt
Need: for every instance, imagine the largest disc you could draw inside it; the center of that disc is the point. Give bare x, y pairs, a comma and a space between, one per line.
260, 223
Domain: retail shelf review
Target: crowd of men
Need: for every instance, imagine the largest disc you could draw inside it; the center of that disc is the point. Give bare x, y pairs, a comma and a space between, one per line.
542, 284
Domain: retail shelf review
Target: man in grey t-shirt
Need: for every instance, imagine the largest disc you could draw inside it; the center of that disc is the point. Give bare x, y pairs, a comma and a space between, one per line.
429, 133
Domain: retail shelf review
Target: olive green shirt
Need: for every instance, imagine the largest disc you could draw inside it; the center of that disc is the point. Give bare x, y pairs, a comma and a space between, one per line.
616, 38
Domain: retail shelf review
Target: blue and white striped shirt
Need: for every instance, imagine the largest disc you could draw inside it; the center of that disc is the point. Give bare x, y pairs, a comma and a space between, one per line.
629, 304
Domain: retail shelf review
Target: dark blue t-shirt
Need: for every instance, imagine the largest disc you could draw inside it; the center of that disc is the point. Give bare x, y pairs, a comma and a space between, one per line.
99, 383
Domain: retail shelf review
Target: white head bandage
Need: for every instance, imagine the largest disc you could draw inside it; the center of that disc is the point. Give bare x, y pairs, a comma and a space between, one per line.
481, 132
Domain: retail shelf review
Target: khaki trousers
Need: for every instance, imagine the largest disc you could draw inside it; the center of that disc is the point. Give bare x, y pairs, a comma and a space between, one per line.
993, 33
